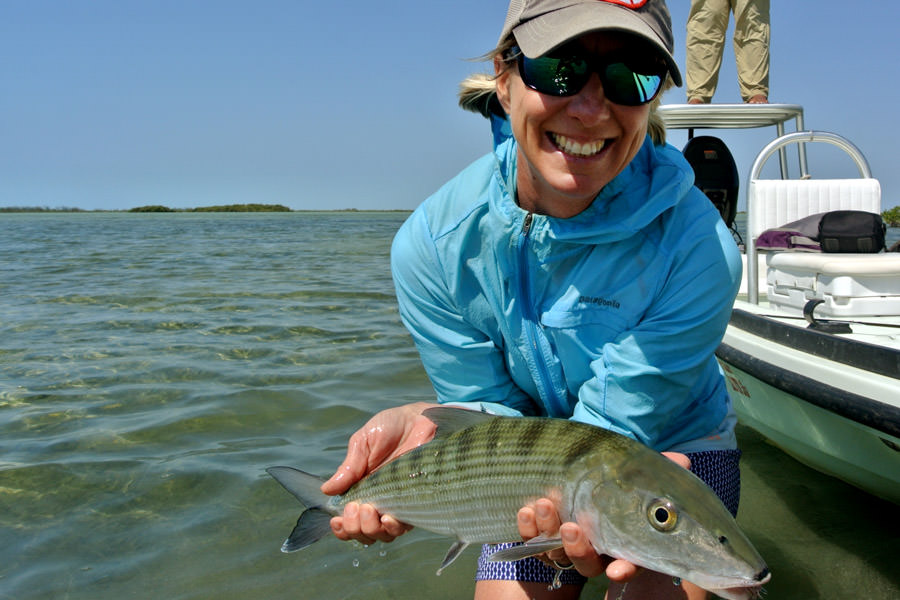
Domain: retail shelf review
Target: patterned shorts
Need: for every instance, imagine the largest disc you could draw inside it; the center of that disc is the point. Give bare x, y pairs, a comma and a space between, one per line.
717, 468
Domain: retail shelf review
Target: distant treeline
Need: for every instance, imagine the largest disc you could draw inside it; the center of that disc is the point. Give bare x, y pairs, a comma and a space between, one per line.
248, 208
891, 216
158, 208
18, 209
221, 208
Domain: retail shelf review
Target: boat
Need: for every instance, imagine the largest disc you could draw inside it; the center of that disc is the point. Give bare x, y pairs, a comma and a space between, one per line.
811, 354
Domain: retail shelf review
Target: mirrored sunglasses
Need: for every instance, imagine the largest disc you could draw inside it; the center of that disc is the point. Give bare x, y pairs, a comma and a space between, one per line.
565, 72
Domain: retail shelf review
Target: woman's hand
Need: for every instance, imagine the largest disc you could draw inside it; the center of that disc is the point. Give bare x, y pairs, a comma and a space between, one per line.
541, 518
386, 436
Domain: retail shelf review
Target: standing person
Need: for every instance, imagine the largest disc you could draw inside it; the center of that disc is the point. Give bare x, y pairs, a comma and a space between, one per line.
573, 272
706, 26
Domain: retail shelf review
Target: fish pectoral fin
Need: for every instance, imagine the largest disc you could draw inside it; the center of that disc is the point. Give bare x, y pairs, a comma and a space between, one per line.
455, 550
532, 547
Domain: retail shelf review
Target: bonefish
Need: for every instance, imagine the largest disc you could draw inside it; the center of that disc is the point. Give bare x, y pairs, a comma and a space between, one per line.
470, 481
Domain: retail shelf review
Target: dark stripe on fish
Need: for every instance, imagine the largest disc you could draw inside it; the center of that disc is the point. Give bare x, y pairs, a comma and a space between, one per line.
577, 448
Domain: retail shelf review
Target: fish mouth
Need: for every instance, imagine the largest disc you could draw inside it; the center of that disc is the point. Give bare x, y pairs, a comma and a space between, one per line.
577, 149
743, 593
750, 591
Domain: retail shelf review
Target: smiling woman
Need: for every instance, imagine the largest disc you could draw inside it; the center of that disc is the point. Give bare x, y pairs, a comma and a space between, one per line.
574, 272
576, 129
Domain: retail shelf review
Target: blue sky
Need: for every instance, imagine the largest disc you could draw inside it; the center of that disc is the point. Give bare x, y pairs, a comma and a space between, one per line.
112, 104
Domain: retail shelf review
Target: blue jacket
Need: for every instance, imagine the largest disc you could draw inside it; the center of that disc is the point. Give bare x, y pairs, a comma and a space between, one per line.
610, 317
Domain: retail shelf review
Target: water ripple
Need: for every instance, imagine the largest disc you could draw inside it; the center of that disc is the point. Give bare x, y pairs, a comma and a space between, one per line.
152, 366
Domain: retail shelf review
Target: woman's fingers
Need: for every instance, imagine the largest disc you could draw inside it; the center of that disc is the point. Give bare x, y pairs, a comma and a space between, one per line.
393, 527
352, 469
678, 458
542, 519
579, 551
548, 522
621, 570
546, 517
349, 525
361, 522
527, 524
385, 436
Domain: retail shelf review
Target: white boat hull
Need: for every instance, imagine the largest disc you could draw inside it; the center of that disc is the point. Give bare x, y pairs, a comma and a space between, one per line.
833, 403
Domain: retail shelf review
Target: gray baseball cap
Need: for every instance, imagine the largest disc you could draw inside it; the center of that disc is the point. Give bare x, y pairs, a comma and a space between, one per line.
541, 25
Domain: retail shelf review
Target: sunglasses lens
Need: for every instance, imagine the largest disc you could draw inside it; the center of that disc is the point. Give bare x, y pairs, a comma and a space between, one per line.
554, 76
623, 86
566, 76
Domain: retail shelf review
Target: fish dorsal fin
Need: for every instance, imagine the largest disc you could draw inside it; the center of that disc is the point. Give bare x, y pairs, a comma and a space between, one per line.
450, 419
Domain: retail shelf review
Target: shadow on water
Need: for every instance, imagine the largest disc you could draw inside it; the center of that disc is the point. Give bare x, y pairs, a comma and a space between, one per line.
821, 537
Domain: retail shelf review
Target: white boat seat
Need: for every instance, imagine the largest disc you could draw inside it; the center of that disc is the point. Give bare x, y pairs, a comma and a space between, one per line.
780, 201
848, 284
772, 203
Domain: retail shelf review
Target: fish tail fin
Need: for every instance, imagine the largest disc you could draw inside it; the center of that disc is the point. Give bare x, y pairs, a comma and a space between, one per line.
304, 486
313, 525
314, 522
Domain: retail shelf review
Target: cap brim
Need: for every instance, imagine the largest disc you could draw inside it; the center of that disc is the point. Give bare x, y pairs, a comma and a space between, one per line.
542, 34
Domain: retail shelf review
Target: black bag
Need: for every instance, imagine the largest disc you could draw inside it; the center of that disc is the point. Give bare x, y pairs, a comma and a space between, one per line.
851, 231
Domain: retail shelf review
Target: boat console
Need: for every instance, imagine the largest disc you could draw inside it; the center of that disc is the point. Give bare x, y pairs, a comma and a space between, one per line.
848, 285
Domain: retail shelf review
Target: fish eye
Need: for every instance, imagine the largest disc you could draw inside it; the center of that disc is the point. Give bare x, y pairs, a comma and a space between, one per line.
662, 515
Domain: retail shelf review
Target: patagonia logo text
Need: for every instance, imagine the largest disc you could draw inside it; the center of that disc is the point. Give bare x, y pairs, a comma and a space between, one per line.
599, 301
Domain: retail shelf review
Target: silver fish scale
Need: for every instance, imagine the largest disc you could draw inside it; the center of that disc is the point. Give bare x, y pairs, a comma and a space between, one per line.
471, 483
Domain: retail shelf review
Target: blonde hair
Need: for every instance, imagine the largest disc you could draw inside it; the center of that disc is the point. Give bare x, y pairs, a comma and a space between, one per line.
478, 93
655, 125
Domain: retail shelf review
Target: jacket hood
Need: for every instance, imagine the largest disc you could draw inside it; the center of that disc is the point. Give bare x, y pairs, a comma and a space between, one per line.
653, 182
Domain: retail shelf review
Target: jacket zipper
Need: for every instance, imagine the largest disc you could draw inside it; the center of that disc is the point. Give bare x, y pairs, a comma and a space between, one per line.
555, 406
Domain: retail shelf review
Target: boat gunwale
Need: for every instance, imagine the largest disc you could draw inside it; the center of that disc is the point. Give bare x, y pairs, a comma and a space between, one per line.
879, 416
882, 360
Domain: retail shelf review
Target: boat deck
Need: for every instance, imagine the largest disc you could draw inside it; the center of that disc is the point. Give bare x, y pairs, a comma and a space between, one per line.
881, 331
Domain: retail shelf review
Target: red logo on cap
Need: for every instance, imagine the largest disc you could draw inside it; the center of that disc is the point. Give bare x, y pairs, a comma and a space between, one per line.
627, 3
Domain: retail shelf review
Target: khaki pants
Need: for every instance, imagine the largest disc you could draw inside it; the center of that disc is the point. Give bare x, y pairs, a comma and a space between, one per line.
706, 27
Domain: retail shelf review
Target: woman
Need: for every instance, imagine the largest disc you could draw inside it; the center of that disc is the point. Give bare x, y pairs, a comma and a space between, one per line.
574, 272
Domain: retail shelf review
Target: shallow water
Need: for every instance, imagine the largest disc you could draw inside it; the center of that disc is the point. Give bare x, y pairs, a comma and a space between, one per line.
152, 366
